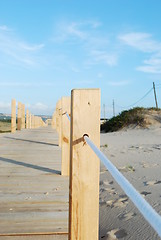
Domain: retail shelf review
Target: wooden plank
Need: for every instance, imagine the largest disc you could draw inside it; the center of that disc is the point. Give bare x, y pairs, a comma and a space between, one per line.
84, 165
19, 120
33, 194
65, 136
36, 237
13, 116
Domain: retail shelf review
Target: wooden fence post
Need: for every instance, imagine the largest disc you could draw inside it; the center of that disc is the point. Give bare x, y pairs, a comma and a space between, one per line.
65, 136
27, 119
84, 165
13, 116
19, 120
23, 116
30, 121
58, 119
54, 120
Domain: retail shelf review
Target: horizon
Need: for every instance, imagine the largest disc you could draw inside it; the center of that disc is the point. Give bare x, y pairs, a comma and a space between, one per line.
48, 48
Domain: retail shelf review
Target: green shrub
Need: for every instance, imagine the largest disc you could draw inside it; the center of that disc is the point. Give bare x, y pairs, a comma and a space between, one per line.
131, 117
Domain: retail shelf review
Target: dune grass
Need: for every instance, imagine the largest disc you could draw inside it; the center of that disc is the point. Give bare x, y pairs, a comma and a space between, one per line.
133, 116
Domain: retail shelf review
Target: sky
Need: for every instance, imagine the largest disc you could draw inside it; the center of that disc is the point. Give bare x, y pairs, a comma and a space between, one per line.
49, 47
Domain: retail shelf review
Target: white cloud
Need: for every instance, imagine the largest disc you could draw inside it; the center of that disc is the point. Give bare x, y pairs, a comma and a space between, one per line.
145, 43
31, 48
86, 38
103, 57
141, 41
73, 30
27, 85
78, 30
39, 106
17, 51
5, 107
150, 69
152, 65
119, 83
4, 28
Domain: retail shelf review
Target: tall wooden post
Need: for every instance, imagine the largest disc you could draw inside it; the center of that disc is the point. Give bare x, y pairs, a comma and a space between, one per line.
84, 165
19, 120
13, 116
27, 119
65, 136
23, 116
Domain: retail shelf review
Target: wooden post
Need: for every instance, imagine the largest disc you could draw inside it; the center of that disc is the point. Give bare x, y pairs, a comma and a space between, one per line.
23, 116
54, 120
84, 165
27, 119
59, 119
65, 136
19, 120
13, 116
30, 121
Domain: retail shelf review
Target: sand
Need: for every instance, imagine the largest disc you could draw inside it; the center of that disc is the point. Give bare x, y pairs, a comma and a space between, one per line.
137, 154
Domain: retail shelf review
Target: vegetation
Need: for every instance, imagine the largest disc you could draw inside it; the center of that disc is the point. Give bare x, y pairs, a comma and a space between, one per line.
7, 120
5, 125
131, 117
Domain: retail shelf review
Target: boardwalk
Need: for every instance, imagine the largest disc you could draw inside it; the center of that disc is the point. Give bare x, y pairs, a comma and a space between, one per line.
33, 194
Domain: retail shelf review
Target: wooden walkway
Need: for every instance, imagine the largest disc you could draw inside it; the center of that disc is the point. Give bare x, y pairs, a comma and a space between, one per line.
33, 194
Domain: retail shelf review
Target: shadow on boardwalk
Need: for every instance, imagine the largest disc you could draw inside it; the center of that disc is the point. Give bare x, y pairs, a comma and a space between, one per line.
31, 141
28, 165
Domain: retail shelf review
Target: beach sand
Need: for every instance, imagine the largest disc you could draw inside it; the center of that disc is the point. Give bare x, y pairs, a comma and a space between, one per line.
137, 154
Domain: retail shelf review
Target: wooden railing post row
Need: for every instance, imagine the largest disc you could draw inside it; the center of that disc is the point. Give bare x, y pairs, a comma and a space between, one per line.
84, 165
65, 136
13, 116
19, 120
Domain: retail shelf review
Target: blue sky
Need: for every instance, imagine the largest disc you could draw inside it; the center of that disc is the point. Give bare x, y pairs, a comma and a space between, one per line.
48, 47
